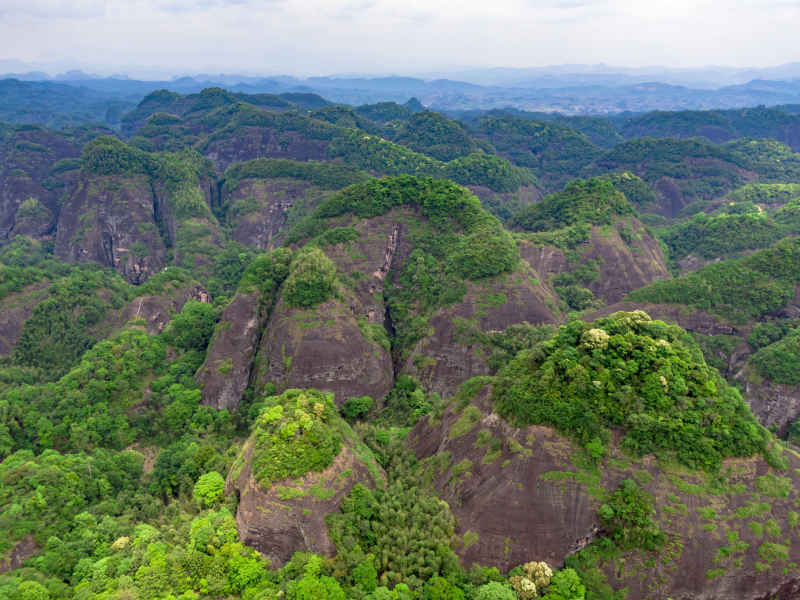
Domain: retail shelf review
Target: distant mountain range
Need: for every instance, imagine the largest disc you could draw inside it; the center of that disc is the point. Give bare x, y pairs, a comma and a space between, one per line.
75, 96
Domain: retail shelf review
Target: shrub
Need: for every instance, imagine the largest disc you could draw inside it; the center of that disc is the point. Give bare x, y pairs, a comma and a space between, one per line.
295, 433
780, 361
311, 278
209, 489
645, 378
191, 329
494, 590
566, 585
438, 588
356, 408
627, 517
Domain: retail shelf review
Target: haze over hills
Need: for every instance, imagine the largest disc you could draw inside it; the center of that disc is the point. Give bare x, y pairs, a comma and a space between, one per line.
278, 338
570, 89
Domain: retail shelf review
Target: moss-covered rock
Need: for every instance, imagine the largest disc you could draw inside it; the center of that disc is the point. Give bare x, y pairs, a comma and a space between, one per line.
299, 463
623, 518
225, 374
109, 220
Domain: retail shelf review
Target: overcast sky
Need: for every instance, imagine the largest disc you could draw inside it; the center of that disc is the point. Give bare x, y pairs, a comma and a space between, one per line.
312, 37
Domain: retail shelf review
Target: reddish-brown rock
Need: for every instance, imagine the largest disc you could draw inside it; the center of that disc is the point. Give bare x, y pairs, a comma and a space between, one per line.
290, 516
110, 220
622, 266
444, 360
518, 496
258, 208
225, 373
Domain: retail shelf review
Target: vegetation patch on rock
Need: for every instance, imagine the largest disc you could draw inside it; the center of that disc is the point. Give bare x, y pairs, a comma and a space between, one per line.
296, 432
642, 377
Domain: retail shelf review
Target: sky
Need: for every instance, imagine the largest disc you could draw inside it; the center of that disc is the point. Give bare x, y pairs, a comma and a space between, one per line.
318, 37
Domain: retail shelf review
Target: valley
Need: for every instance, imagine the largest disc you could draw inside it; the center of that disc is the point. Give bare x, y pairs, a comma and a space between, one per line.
267, 345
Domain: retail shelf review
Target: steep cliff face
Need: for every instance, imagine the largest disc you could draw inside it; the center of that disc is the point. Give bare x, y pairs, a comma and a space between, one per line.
623, 258
284, 499
110, 220
449, 356
323, 348
342, 345
137, 212
277, 524
30, 189
225, 373
22, 551
248, 142
694, 320
496, 487
155, 311
258, 208
776, 405
518, 496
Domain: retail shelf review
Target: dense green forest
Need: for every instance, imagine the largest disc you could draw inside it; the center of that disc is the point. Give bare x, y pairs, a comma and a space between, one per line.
268, 346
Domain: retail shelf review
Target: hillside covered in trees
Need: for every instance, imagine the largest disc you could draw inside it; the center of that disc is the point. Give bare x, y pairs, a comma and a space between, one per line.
267, 346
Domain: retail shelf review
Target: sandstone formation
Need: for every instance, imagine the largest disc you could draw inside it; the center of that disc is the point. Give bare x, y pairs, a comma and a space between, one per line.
15, 309
444, 359
623, 265
518, 496
279, 522
283, 499
258, 208
156, 310
225, 373
110, 220
323, 348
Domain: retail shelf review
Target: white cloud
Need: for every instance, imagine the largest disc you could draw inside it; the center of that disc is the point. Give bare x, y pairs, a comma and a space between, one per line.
324, 36
50, 9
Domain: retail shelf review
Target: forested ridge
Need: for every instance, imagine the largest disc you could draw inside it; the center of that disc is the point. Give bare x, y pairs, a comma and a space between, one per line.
268, 346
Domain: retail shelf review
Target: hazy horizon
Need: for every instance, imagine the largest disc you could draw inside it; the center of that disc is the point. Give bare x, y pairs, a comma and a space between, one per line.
74, 71
374, 37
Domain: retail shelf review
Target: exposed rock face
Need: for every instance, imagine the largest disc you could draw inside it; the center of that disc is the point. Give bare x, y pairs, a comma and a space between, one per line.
697, 321
322, 348
32, 219
525, 502
443, 361
193, 238
694, 263
27, 155
546, 260
22, 550
518, 517
226, 371
110, 220
791, 310
625, 267
622, 266
340, 346
264, 142
258, 208
157, 310
776, 405
278, 527
672, 199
